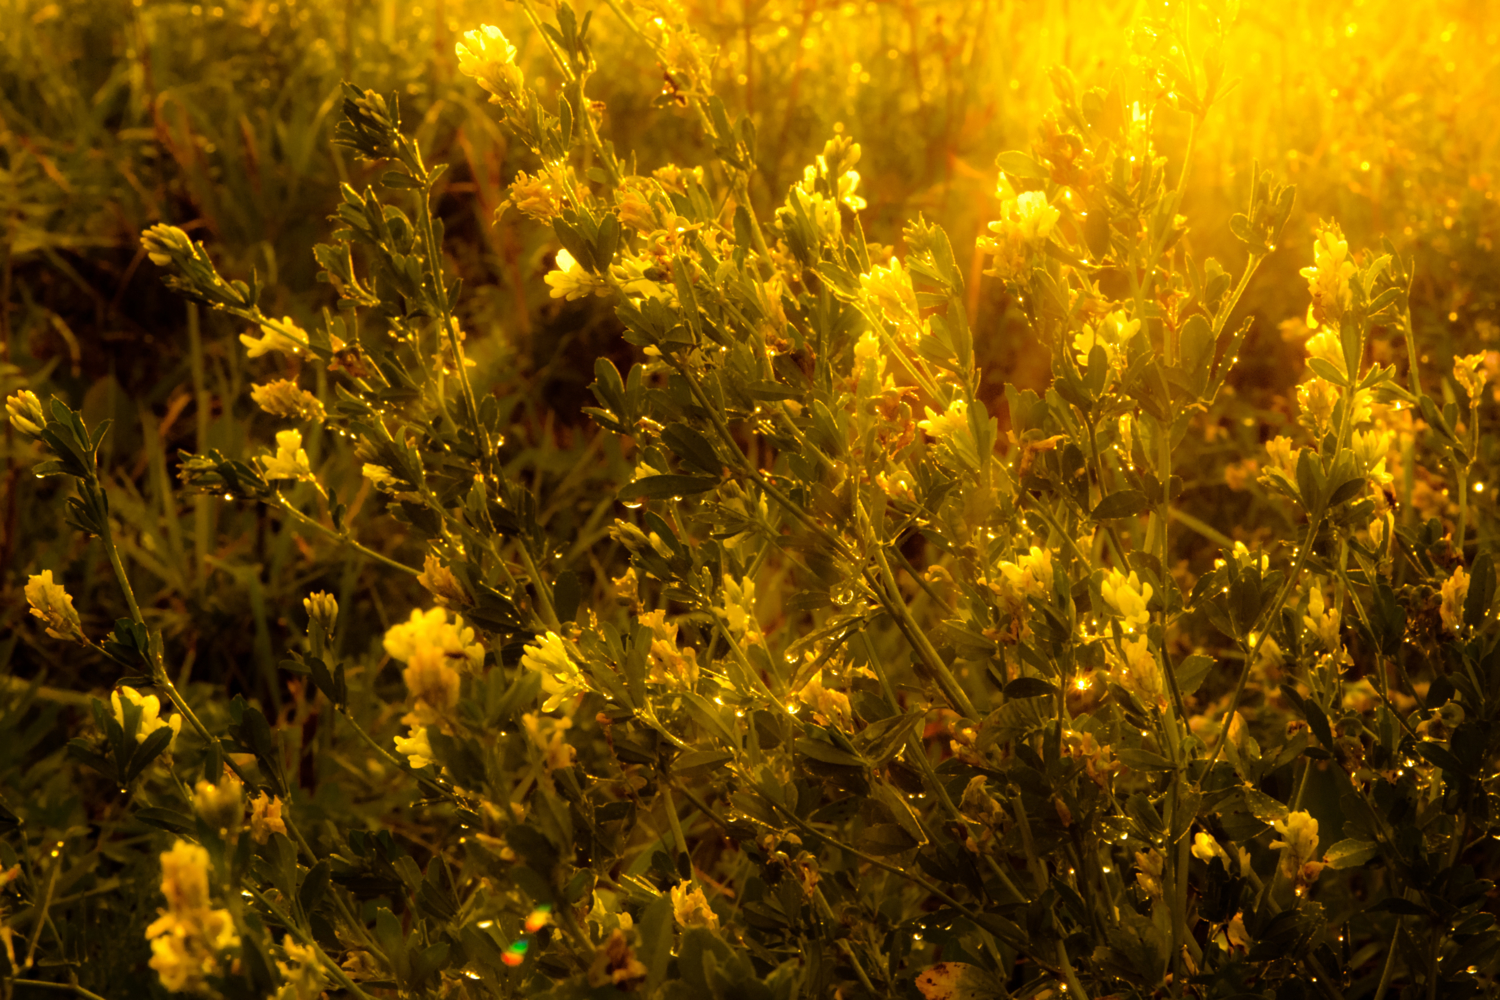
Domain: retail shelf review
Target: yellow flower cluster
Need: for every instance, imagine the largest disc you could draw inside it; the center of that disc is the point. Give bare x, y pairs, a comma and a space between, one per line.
1455, 591
890, 288
691, 908
1030, 575
1141, 674
548, 735
1299, 847
670, 665
53, 605
488, 57
190, 935
1026, 221
286, 337
26, 414
738, 609
949, 424
150, 720
561, 678
432, 647
290, 460
1113, 333
1328, 278
1320, 620
833, 706
1128, 596
284, 398
570, 281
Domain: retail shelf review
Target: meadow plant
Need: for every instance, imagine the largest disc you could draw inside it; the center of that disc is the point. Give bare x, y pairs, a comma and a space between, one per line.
858, 694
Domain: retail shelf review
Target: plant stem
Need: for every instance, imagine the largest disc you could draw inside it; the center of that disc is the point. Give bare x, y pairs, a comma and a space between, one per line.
283, 504
68, 987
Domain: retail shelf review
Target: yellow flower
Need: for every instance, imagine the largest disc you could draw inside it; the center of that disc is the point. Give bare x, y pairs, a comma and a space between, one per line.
187, 939
1468, 371
561, 678
416, 747
670, 664
184, 877
1142, 675
490, 59
162, 242
380, 476
691, 907
547, 734
891, 289
739, 608
221, 806
26, 414
1322, 621
1299, 847
570, 281
265, 818
289, 338
1328, 278
150, 720
1234, 937
290, 460
441, 583
1031, 574
431, 682
1328, 346
615, 963
283, 398
1034, 217
1128, 596
1371, 447
945, 426
1283, 455
833, 706
1113, 334
321, 608
1316, 398
432, 630
304, 978
1206, 848
53, 605
1455, 592
1150, 865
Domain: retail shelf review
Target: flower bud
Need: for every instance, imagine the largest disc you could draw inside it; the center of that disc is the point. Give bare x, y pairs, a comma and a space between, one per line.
53, 605
26, 414
321, 608
163, 243
221, 806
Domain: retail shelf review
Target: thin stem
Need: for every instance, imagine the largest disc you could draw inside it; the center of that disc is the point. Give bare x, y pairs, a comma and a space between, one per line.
676, 824
539, 588
68, 987
283, 504
1390, 963
328, 964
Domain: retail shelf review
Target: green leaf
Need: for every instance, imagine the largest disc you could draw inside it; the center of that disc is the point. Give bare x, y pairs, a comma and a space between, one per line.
826, 753
1018, 164
1481, 596
881, 839
1192, 671
1123, 503
1351, 853
167, 819
1144, 760
667, 487
700, 762
1029, 687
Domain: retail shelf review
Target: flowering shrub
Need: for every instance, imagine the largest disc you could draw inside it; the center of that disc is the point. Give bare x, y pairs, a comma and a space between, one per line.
856, 695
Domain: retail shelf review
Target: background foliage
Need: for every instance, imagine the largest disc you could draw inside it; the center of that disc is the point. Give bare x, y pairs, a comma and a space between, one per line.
218, 119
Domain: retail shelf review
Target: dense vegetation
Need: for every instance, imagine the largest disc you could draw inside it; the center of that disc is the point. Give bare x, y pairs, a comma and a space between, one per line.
629, 500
